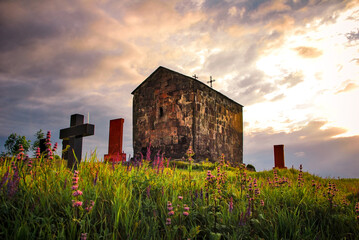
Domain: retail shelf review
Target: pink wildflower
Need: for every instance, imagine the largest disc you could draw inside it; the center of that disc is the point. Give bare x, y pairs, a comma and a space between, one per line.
77, 193
185, 213
186, 208
180, 197
171, 213
83, 236
170, 208
168, 221
76, 203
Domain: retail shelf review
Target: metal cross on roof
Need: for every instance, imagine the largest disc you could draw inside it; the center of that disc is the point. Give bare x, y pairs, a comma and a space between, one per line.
195, 76
211, 80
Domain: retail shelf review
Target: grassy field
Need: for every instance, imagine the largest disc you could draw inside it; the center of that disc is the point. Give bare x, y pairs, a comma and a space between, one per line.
43, 199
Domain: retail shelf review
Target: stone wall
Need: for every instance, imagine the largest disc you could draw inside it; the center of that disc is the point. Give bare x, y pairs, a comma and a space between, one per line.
163, 114
219, 126
174, 111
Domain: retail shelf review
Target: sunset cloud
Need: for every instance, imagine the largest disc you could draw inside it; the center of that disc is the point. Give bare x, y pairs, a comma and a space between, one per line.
308, 52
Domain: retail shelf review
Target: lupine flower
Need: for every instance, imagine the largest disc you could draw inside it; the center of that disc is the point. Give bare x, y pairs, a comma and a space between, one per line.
83, 236
77, 193
38, 152
76, 203
90, 206
185, 213
95, 180
231, 205
55, 147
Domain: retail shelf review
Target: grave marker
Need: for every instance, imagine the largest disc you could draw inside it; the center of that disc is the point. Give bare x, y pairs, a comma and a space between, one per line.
279, 156
72, 136
115, 141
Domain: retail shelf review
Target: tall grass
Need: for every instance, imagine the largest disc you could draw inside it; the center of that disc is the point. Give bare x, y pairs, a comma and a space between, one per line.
134, 201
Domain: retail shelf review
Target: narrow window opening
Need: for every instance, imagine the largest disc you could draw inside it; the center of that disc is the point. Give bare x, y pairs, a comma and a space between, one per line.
161, 112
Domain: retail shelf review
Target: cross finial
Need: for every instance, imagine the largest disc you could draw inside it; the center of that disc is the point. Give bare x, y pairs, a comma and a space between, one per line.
211, 80
195, 76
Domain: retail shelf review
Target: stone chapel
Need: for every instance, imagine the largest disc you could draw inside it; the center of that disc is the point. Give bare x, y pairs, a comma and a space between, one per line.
173, 111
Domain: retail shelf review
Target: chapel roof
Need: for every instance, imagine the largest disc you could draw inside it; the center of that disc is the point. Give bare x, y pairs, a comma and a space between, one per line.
161, 68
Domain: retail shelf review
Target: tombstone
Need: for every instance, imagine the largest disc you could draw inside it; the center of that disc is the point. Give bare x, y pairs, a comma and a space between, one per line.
72, 136
42, 145
115, 141
279, 156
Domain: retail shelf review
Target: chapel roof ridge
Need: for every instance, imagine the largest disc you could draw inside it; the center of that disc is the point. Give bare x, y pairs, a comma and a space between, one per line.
191, 78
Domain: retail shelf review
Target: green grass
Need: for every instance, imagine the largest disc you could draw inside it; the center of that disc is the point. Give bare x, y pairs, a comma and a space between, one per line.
131, 203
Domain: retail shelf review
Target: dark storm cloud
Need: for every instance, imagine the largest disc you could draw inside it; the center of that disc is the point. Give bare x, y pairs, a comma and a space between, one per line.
314, 147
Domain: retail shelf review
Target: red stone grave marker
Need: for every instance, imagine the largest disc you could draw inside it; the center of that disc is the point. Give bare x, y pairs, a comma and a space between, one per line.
115, 153
279, 156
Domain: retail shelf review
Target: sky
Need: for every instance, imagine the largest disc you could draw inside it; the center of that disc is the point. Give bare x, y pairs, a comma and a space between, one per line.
292, 64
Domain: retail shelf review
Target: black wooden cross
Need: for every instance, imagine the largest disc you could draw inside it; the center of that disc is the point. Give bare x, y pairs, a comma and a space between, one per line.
72, 136
211, 80
195, 76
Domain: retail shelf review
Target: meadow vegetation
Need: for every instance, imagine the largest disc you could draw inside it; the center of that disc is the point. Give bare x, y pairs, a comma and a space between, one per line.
155, 199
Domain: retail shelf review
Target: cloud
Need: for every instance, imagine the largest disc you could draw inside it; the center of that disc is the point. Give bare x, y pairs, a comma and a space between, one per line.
348, 86
292, 79
353, 36
308, 52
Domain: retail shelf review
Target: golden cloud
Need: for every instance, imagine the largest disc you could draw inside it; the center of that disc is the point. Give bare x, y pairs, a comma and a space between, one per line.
308, 52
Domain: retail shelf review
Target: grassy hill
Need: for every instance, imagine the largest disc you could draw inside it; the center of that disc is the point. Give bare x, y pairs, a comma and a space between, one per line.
163, 200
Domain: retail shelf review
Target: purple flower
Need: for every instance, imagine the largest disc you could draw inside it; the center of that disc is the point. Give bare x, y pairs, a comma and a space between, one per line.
77, 193
95, 180
171, 213
76, 203
186, 208
168, 221
185, 213
170, 208
83, 236
231, 205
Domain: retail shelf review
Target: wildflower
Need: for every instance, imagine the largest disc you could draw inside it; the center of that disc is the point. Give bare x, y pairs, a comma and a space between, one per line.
186, 208
90, 206
169, 208
185, 213
77, 193
180, 197
231, 205
55, 147
83, 236
76, 203
169, 204
171, 213
95, 180
38, 152
262, 203
74, 187
168, 221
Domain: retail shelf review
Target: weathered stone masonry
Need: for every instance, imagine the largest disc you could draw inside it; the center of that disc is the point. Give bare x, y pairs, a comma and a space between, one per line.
174, 111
